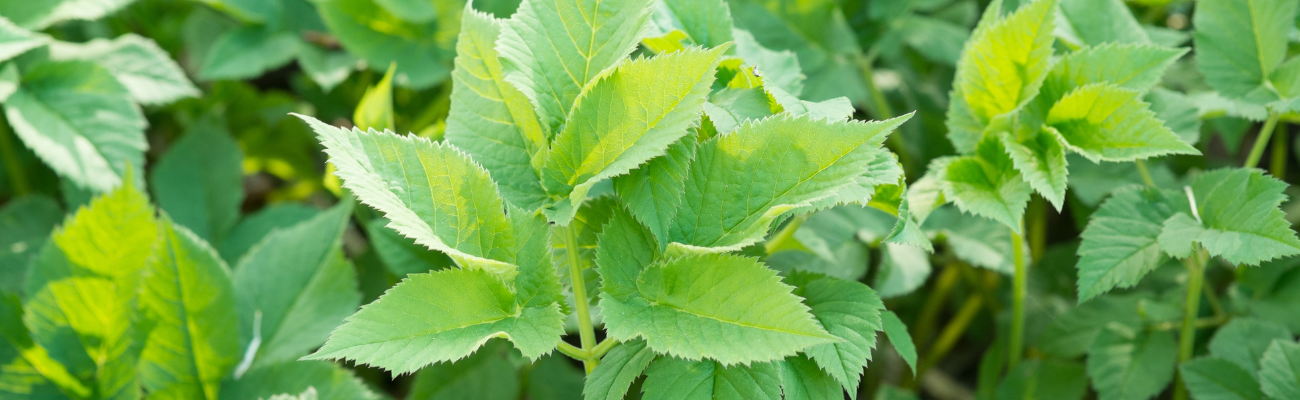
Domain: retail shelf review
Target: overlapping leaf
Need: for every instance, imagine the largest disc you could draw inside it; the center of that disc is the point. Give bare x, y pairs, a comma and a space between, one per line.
1111, 123
1120, 243
672, 378
1239, 219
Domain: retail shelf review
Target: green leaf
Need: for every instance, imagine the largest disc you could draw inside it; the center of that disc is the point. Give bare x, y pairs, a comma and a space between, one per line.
1178, 235
409, 10
849, 310
331, 382
1046, 379
491, 119
78, 119
29, 354
1218, 379
553, 49
787, 168
1120, 242
555, 377
714, 306
903, 269
802, 380
1131, 364
1001, 69
587, 224
1097, 22
464, 218
145, 69
538, 283
25, 224
247, 52
401, 255
460, 309
1179, 112
1072, 332
486, 374
375, 111
15, 41
256, 226
623, 249
85, 282
653, 192
617, 370
1092, 182
293, 288
1240, 43
1279, 370
705, 22
1041, 162
827, 243
1240, 219
779, 69
677, 379
1107, 122
899, 338
818, 33
625, 118
420, 50
40, 14
1244, 341
199, 182
937, 39
188, 295
249, 11
328, 68
987, 184
979, 241
1134, 66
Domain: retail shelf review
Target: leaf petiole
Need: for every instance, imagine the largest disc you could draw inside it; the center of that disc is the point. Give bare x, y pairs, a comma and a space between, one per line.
585, 331
1257, 150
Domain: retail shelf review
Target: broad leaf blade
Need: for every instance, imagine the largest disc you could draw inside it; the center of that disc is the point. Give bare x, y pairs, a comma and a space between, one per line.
849, 310
375, 110
1128, 364
1133, 66
1120, 242
677, 379
987, 184
900, 338
623, 249
1239, 209
1240, 43
1279, 370
199, 182
145, 69
1096, 22
617, 370
801, 379
1244, 341
1219, 379
25, 224
331, 382
1111, 123
15, 40
1041, 162
653, 192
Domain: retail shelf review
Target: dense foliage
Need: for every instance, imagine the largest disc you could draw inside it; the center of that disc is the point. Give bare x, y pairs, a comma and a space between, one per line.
648, 199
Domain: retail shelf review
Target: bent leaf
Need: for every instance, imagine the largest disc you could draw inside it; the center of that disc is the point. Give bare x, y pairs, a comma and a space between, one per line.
1111, 123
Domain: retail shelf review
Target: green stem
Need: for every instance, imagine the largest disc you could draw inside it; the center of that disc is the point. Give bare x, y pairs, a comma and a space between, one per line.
950, 335
573, 352
1277, 165
925, 321
1036, 227
880, 105
783, 239
585, 331
1191, 309
17, 178
1257, 150
602, 348
1016, 344
1146, 175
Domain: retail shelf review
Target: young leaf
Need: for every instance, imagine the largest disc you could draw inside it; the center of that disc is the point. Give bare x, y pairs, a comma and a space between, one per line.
714, 306
705, 22
188, 295
199, 182
1132, 66
460, 309
677, 379
1216, 378
617, 370
430, 192
801, 379
899, 338
1041, 162
849, 310
538, 283
375, 111
1131, 364
491, 119
1240, 43
552, 49
787, 167
78, 119
331, 382
1108, 122
623, 249
625, 118
15, 41
20, 351
25, 224
1279, 370
86, 280
487, 374
1244, 341
1240, 219
294, 287
1001, 69
653, 192
1097, 22
145, 69
1120, 242
987, 184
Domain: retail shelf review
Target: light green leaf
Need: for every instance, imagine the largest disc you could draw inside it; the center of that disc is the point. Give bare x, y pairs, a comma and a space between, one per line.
410, 10
1132, 66
293, 288
1041, 162
787, 167
1239, 43
486, 374
625, 118
802, 380
1111, 123
1000, 70
653, 192
460, 309
899, 338
727, 301
137, 62
624, 248
553, 49
1072, 332
937, 39
8, 80
827, 243
400, 254
328, 68
78, 119
249, 11
677, 379
617, 370
248, 52
30, 358
979, 241
705, 22
15, 41
375, 111
199, 181
420, 50
1212, 378
818, 33
188, 295
1279, 370
256, 226
836, 109
1240, 219
86, 281
1244, 341
1179, 112
1096, 22
1092, 182
397, 175
331, 382
903, 269
778, 69
987, 184
849, 310
1286, 79
37, 15
1131, 364
538, 283
587, 224
491, 119
25, 224
1120, 242
1178, 234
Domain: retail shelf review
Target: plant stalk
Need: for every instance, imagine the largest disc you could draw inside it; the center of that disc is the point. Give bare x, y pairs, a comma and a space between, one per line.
17, 177
923, 331
951, 333
1146, 174
1191, 309
1257, 150
586, 333
1036, 227
1021, 282
1277, 162
880, 105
